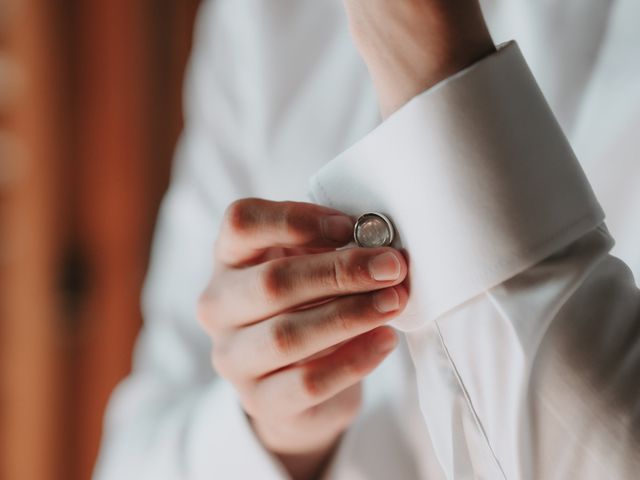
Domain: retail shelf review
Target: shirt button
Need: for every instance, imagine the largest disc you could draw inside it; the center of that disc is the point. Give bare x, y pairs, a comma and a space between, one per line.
373, 230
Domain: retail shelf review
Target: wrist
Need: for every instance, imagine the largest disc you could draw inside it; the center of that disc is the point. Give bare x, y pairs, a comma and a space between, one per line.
303, 456
306, 466
413, 45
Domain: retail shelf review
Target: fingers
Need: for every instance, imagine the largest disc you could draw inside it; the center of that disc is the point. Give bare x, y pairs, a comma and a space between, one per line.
246, 296
291, 337
252, 225
297, 389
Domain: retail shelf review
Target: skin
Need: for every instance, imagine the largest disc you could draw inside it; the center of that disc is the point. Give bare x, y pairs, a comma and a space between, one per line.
296, 324
411, 45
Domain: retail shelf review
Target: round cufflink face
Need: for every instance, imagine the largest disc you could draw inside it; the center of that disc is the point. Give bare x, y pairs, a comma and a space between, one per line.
373, 230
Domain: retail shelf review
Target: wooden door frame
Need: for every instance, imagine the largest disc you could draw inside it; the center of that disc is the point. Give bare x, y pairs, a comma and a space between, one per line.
94, 120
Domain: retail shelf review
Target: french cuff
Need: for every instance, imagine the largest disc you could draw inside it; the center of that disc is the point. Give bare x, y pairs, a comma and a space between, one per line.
478, 178
223, 442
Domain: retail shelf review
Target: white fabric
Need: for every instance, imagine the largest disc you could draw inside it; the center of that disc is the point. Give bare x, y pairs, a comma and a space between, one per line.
522, 348
467, 197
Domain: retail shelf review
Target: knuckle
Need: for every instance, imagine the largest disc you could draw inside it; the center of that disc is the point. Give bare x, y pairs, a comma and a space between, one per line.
205, 311
296, 226
349, 369
285, 337
312, 386
221, 362
250, 403
341, 318
210, 309
351, 313
341, 276
273, 281
240, 215
347, 270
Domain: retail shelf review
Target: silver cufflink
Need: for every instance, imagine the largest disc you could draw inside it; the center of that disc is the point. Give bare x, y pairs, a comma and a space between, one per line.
373, 230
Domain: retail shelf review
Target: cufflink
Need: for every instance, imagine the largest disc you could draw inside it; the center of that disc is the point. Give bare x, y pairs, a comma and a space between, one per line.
373, 230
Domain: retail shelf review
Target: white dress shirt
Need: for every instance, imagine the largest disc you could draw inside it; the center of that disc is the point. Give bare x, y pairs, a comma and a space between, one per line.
520, 352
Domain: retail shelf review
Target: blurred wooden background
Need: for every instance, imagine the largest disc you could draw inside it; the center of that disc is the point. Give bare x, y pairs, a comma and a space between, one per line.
89, 114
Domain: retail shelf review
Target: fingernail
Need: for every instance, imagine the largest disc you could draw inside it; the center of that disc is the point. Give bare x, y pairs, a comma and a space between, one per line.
337, 228
386, 300
387, 343
385, 267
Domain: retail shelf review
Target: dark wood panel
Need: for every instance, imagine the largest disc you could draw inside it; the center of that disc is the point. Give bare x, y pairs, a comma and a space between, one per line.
129, 85
30, 353
95, 123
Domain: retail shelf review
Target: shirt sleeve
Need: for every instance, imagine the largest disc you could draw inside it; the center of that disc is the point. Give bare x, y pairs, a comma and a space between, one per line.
509, 265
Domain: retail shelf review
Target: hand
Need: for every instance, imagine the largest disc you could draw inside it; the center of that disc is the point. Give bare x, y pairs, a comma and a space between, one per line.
410, 45
296, 325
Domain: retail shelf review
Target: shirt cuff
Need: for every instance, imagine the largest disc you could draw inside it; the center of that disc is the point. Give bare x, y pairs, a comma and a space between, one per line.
478, 178
223, 444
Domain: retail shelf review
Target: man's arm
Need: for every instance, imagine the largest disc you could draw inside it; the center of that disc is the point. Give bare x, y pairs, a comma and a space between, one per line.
523, 327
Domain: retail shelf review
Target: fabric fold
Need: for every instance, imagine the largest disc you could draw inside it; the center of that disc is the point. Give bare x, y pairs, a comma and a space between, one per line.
478, 178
